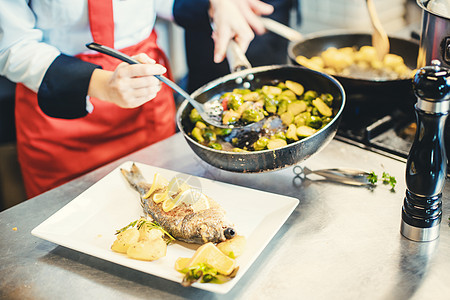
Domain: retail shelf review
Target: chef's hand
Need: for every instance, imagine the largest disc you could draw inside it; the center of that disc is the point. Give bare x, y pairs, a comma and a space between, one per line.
236, 19
128, 86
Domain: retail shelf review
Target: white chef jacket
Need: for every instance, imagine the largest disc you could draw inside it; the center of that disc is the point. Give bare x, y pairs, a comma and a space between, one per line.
33, 33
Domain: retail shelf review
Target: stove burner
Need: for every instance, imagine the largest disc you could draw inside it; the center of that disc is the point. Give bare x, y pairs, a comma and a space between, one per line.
386, 128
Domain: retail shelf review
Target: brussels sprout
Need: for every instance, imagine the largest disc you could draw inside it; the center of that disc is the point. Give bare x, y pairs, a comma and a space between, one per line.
310, 95
327, 98
252, 115
314, 122
210, 135
261, 143
282, 107
280, 135
301, 118
326, 120
315, 112
216, 146
270, 104
222, 131
234, 102
197, 135
194, 116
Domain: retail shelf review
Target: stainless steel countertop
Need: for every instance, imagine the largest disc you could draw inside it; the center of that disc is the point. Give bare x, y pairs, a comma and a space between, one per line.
341, 242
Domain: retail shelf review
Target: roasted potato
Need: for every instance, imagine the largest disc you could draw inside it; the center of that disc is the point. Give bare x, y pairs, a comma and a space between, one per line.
233, 247
125, 239
148, 249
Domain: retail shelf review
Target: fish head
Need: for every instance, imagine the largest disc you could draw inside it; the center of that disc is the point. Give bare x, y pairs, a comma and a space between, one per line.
211, 228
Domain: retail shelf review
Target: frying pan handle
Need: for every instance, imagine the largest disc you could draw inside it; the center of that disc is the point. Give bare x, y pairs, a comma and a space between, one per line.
282, 30
236, 58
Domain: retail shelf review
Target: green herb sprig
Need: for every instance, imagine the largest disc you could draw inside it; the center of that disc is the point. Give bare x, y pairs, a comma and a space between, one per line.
151, 224
385, 179
204, 273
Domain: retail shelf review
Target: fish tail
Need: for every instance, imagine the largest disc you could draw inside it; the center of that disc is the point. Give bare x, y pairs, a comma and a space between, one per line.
135, 179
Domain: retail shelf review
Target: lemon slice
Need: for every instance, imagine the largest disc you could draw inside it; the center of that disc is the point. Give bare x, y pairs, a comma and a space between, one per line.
159, 197
169, 204
202, 203
211, 255
159, 182
192, 197
177, 185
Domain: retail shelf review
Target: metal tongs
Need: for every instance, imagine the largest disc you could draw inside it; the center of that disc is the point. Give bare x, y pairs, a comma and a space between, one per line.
341, 175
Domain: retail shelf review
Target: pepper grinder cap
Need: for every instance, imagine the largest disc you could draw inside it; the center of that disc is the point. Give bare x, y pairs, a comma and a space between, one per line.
432, 83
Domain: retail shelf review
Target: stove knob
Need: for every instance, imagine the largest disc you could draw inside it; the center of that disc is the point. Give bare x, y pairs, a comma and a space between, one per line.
432, 83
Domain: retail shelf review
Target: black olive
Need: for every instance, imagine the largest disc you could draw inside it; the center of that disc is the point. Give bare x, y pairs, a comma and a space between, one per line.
229, 233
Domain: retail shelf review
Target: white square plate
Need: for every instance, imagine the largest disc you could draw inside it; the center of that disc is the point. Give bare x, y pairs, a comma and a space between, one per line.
89, 222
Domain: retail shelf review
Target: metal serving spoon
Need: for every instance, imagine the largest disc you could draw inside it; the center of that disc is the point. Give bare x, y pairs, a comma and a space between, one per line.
380, 40
211, 111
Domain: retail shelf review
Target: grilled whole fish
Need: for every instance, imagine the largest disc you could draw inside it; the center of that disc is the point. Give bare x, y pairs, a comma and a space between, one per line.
208, 225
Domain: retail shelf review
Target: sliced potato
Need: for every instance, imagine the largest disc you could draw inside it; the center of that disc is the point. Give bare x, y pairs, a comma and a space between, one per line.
125, 239
271, 90
305, 131
297, 107
148, 249
276, 143
252, 96
291, 132
324, 109
146, 232
296, 87
234, 247
287, 118
288, 95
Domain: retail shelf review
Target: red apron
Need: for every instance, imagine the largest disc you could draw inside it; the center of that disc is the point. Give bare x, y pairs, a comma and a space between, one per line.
53, 151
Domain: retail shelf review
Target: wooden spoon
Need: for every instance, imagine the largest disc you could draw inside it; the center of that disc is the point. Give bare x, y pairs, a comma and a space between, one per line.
380, 40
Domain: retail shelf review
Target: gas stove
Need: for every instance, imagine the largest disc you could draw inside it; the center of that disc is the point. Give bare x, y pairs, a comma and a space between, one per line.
387, 128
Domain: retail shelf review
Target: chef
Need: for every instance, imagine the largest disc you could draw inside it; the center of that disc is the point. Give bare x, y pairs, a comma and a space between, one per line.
77, 110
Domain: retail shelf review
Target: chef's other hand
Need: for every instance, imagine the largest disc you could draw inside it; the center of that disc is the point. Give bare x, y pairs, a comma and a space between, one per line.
236, 19
128, 86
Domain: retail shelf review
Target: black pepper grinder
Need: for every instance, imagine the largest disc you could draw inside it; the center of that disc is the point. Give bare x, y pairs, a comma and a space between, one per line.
426, 168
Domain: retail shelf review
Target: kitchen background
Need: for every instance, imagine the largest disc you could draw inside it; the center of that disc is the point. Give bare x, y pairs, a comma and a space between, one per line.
401, 18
